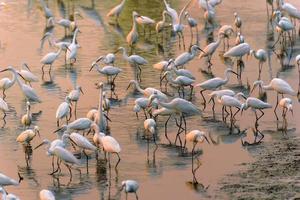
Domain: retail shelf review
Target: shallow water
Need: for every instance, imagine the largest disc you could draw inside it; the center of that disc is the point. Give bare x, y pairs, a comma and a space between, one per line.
22, 26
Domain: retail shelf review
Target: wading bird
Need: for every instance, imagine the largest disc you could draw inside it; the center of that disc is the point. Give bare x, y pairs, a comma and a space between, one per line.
130, 186
261, 56
74, 96
287, 105
46, 195
116, 11
196, 137
27, 118
27, 74
64, 110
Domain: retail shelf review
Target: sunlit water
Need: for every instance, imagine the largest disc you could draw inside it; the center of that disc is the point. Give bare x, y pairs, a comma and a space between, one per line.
167, 177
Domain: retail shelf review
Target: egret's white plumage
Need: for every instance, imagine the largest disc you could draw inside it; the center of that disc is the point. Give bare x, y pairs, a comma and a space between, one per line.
130, 186
71, 54
27, 74
116, 11
5, 180
27, 118
26, 136
46, 195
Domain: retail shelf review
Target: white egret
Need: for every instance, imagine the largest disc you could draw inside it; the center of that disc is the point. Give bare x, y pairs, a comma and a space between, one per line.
277, 84
47, 11
145, 21
226, 31
27, 74
6, 83
110, 72
74, 96
181, 107
219, 94
26, 136
192, 23
80, 124
147, 92
116, 11
6, 196
179, 72
150, 127
261, 56
161, 66
133, 35
186, 57
237, 22
50, 58
71, 54
130, 186
100, 119
64, 110
109, 143
214, 83
210, 49
283, 25
66, 157
161, 25
142, 103
108, 59
287, 105
84, 144
27, 118
135, 60
181, 82
196, 137
46, 195
28, 91
4, 109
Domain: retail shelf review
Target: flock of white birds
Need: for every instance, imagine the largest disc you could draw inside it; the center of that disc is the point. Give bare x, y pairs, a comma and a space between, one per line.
155, 102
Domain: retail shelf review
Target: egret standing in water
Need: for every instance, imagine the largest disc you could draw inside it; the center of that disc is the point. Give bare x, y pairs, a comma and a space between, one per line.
130, 186
28, 91
71, 54
27, 118
214, 83
116, 11
261, 56
74, 97
150, 126
110, 72
196, 137
287, 105
64, 110
134, 60
278, 85
27, 74
133, 35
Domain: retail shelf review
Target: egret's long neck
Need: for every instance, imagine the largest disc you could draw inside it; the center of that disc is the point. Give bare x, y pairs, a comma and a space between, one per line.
125, 56
74, 36
16, 78
58, 52
164, 18
137, 86
134, 25
28, 110
100, 106
267, 87
122, 3
226, 79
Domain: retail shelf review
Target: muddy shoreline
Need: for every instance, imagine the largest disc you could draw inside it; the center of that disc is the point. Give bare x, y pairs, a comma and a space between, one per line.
275, 173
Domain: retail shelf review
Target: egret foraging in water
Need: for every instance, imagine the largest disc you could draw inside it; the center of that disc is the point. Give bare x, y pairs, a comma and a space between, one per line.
116, 11
4, 109
179, 72
218, 94
28, 91
226, 31
214, 83
142, 103
64, 110
147, 92
46, 195
186, 57
83, 143
109, 143
6, 83
181, 107
6, 196
51, 57
27, 74
196, 137
278, 85
80, 124
238, 52
130, 186
150, 126
66, 157
27, 118
133, 35
209, 50
145, 21
192, 23
181, 82
71, 54
287, 105
161, 25
110, 72
26, 136
261, 56
74, 96
108, 59
134, 60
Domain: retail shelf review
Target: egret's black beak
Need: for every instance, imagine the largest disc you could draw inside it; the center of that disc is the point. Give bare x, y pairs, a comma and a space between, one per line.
38, 146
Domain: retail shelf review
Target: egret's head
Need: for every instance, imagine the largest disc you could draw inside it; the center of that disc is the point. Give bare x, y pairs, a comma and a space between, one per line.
256, 83
135, 14
37, 130
78, 87
131, 82
201, 137
235, 14
290, 108
152, 98
136, 108
244, 107
186, 14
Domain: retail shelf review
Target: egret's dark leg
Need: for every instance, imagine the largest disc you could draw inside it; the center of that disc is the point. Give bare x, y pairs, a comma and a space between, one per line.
193, 172
87, 162
204, 101
166, 128
191, 94
277, 101
119, 159
70, 171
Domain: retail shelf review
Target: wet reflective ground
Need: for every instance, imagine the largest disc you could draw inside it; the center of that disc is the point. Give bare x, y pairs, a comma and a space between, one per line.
168, 175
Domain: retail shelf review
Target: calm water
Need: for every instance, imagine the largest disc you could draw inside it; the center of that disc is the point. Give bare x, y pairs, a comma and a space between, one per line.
22, 26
